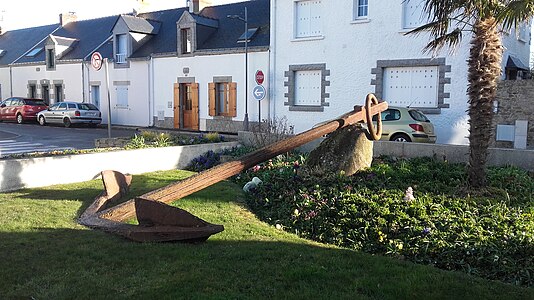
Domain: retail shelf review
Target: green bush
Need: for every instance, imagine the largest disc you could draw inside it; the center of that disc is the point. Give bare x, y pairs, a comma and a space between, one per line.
488, 233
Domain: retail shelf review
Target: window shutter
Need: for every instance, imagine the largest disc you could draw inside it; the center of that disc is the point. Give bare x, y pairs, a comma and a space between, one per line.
211, 99
176, 108
233, 100
194, 98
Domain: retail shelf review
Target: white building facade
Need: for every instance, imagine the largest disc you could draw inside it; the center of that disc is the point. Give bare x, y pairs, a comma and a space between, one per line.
328, 55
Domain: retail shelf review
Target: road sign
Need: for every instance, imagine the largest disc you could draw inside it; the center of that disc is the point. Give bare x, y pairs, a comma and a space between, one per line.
96, 61
259, 92
260, 77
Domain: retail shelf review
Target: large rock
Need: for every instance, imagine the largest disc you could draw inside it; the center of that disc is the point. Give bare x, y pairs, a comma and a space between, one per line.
347, 150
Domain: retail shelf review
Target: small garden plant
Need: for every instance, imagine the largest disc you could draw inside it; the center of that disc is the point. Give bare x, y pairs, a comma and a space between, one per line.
149, 139
417, 210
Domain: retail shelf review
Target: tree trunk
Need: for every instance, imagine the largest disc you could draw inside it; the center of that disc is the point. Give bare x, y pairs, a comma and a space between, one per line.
484, 71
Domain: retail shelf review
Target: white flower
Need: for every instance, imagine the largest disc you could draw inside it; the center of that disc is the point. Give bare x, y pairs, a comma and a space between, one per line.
409, 194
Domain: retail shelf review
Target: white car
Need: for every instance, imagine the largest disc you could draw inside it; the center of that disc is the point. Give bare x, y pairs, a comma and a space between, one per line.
68, 113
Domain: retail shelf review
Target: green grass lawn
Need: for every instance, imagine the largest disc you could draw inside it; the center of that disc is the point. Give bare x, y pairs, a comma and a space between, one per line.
45, 254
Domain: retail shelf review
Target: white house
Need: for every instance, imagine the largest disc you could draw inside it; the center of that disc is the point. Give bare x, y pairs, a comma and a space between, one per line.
183, 68
328, 55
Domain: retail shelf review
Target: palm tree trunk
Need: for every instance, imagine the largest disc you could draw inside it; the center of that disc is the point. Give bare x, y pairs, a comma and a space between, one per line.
483, 73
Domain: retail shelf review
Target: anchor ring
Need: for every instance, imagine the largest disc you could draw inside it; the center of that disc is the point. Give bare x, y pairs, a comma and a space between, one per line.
376, 135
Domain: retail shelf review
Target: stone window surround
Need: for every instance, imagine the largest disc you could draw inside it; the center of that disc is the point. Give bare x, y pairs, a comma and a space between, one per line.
186, 22
44, 82
34, 84
420, 62
48, 57
290, 83
53, 94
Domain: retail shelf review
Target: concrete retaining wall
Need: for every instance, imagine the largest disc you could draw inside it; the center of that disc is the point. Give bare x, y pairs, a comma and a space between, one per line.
44, 171
454, 153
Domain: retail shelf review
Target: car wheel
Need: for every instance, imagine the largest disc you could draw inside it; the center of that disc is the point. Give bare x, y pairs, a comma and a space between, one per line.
19, 119
42, 121
400, 137
66, 122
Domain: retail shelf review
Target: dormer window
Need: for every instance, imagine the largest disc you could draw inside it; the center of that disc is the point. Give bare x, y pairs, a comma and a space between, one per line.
50, 59
122, 49
186, 40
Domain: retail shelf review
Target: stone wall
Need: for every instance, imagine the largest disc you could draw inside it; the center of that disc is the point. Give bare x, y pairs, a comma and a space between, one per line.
515, 102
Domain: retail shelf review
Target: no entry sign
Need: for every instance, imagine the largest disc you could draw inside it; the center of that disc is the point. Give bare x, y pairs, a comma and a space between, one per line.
260, 77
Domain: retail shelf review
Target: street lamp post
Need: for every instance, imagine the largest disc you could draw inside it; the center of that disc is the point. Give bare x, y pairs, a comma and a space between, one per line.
244, 20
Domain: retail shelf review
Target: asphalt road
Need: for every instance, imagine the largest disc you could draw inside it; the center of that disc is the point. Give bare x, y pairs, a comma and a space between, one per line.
20, 138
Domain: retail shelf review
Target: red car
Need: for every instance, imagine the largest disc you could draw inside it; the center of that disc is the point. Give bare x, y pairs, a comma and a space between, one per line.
21, 109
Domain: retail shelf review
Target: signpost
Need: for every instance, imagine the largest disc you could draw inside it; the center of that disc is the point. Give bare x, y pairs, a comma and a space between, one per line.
96, 62
259, 92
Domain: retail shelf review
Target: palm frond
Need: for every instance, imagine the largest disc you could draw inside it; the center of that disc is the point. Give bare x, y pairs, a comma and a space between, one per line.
515, 12
451, 40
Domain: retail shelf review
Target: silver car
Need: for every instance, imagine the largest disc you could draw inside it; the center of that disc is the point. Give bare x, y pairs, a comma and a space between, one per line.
68, 113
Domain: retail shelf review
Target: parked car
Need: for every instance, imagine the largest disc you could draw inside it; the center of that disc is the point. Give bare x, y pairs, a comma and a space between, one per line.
21, 109
68, 113
402, 124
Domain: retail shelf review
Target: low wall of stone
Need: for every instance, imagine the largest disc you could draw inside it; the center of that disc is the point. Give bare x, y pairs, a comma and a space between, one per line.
44, 171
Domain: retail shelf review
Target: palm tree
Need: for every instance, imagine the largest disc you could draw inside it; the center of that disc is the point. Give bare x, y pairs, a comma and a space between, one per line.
482, 19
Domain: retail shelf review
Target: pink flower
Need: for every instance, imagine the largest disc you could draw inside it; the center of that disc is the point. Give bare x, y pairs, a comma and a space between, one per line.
256, 168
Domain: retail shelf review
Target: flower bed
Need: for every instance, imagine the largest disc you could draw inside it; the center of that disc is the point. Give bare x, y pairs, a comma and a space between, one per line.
489, 234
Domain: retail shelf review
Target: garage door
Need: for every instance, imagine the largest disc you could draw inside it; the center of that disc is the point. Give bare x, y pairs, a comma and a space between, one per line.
411, 86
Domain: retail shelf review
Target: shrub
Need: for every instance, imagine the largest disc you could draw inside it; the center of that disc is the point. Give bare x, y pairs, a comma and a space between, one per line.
149, 136
163, 140
489, 233
137, 142
213, 137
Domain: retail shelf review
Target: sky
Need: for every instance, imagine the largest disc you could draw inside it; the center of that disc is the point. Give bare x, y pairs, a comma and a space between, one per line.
16, 14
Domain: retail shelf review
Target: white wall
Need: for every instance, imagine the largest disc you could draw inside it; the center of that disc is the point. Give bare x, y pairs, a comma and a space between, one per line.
70, 74
5, 88
136, 78
350, 50
203, 69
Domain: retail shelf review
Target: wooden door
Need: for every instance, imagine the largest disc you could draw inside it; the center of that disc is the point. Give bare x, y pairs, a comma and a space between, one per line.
189, 99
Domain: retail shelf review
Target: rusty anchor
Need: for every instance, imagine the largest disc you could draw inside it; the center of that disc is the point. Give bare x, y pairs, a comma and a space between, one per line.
159, 222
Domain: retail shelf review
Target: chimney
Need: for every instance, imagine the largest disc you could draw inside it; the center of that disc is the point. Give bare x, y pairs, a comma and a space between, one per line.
143, 6
198, 5
66, 18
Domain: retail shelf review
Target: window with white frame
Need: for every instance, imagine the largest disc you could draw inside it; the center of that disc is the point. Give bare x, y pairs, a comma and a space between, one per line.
121, 49
413, 14
122, 96
308, 22
307, 88
361, 9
